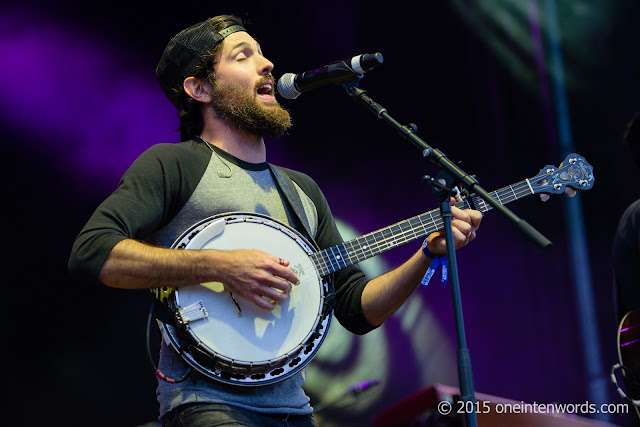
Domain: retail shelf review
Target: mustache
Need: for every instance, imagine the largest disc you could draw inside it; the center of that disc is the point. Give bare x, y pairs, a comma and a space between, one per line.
265, 79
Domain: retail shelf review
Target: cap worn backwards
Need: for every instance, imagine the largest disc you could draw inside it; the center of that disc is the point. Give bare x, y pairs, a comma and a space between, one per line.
185, 52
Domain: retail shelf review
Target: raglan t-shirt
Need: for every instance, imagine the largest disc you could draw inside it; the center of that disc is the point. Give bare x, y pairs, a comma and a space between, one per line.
171, 187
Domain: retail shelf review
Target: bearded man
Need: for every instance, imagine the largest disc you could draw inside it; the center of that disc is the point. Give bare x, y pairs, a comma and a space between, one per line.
219, 80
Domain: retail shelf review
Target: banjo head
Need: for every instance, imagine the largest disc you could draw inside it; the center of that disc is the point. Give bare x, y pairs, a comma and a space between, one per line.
226, 337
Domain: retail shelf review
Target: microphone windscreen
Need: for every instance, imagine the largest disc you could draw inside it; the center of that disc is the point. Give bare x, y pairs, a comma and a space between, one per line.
286, 86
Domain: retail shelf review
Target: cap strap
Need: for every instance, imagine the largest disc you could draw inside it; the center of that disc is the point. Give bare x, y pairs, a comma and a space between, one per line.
230, 30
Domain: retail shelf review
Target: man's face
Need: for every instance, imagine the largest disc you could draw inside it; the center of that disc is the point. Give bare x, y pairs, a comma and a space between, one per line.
244, 89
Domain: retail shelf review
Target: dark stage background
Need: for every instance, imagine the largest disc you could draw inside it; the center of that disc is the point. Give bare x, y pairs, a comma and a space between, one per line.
79, 102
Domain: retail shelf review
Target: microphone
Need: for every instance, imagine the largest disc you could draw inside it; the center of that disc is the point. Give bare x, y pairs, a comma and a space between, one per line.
290, 85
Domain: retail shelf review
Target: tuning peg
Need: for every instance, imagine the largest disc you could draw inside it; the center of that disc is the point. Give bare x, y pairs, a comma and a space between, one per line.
570, 192
544, 197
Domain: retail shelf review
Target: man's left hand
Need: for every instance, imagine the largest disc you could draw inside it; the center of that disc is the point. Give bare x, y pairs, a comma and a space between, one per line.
465, 224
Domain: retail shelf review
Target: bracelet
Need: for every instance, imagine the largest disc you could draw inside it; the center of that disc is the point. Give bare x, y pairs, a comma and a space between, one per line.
437, 261
426, 250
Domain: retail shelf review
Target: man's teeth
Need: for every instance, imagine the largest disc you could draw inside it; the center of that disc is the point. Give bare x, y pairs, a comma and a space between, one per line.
265, 89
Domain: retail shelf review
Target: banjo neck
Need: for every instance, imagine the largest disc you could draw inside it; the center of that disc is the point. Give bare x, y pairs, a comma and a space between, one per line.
574, 172
361, 248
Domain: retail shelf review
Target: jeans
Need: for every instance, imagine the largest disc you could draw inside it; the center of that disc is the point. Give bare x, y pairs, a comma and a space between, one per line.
214, 414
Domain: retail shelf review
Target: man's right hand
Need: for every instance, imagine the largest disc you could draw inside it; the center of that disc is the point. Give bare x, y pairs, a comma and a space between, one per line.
256, 276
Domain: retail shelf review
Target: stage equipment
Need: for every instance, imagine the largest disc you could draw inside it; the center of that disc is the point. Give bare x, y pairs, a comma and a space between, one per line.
291, 85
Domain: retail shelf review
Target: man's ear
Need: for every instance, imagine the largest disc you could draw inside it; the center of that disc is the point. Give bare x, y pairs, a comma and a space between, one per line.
198, 89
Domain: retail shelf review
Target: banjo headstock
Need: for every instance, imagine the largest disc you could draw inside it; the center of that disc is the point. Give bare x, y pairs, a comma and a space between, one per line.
574, 172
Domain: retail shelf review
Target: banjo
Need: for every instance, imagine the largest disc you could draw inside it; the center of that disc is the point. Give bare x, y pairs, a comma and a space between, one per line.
228, 339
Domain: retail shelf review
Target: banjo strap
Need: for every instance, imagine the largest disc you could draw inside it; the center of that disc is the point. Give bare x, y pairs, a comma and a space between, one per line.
291, 195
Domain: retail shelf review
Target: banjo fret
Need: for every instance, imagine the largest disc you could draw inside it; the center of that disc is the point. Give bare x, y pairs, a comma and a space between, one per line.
377, 242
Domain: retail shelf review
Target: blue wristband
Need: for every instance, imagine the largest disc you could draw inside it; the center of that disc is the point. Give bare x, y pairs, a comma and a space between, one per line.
438, 261
426, 250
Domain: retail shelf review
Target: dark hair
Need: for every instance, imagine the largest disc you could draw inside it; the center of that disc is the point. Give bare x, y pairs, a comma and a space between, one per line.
632, 138
191, 121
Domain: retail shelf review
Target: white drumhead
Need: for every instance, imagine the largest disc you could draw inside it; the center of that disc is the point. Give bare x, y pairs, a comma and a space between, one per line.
256, 336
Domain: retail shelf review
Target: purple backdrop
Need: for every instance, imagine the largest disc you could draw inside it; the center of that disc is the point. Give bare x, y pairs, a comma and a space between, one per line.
79, 102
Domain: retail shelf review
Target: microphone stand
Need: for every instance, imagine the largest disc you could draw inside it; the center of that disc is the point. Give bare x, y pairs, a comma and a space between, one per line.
436, 157
451, 175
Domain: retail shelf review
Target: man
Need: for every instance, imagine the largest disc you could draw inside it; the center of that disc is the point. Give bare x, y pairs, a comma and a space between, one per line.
626, 246
626, 265
217, 77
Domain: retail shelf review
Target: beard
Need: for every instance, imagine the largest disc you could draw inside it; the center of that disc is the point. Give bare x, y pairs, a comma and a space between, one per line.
240, 109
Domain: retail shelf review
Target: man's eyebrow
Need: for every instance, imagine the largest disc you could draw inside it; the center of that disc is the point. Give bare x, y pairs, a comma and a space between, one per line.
244, 44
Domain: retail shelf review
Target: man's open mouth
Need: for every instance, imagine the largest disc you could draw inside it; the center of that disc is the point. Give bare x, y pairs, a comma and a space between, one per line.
266, 88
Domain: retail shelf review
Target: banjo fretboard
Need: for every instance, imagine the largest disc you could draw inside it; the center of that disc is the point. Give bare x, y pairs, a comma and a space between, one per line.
353, 251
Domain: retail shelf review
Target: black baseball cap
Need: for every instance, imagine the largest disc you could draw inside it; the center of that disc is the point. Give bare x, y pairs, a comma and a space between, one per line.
186, 52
